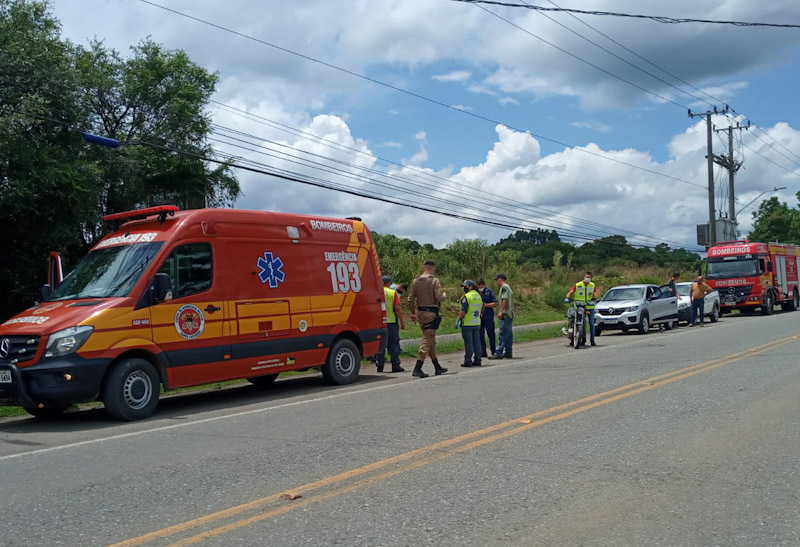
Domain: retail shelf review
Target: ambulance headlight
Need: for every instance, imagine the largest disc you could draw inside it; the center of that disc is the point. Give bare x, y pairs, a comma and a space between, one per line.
67, 341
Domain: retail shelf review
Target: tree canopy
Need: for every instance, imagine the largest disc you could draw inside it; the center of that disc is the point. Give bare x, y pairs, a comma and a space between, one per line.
54, 187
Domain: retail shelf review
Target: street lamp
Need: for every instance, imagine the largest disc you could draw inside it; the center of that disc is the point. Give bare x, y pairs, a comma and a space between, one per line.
758, 196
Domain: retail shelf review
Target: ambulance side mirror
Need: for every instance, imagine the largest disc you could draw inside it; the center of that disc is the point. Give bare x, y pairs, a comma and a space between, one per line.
161, 287
46, 291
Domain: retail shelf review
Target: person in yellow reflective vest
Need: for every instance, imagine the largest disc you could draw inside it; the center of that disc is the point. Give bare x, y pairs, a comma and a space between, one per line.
394, 322
469, 320
586, 291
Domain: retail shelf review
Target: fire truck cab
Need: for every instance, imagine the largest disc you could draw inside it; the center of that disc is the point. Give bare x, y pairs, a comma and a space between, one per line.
754, 275
180, 298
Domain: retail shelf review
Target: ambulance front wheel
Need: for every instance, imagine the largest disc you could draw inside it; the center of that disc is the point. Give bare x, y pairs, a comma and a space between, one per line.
131, 390
343, 364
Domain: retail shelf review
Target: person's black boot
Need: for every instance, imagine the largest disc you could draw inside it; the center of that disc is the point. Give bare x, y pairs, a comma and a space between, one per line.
418, 371
439, 368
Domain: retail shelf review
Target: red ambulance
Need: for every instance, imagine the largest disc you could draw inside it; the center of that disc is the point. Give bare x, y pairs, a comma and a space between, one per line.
182, 298
754, 275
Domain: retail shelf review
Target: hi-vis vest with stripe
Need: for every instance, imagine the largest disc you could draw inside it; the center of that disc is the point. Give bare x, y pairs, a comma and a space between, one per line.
391, 316
584, 293
474, 304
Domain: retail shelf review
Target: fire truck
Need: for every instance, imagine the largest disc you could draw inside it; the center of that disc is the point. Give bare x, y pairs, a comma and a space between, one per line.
751, 275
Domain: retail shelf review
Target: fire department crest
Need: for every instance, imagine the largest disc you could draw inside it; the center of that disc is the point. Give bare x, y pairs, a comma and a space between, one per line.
189, 321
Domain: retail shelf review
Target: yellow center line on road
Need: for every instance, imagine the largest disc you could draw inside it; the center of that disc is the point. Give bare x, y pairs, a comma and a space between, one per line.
434, 452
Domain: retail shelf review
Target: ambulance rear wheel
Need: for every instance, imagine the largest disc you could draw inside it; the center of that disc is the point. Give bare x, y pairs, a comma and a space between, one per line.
262, 381
131, 390
343, 363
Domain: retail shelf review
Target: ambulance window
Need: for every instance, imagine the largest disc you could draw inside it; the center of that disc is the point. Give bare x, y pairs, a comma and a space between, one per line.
190, 268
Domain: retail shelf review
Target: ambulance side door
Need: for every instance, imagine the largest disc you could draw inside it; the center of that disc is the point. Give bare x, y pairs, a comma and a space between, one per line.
190, 327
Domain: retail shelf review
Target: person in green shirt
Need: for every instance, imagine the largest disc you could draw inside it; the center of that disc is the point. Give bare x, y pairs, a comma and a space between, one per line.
505, 314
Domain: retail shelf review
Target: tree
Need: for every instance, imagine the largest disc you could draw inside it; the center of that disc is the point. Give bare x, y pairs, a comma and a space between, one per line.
46, 186
53, 187
775, 221
157, 98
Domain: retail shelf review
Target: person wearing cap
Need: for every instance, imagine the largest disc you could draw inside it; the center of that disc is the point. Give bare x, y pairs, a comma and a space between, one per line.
469, 320
505, 314
425, 298
487, 318
394, 314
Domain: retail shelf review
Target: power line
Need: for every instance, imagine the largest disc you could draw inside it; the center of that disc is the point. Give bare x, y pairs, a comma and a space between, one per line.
460, 187
456, 193
656, 18
416, 95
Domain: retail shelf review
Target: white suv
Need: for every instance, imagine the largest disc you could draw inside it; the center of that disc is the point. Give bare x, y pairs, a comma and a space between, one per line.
636, 306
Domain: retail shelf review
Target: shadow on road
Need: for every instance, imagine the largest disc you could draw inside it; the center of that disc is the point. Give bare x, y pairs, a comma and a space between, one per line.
187, 405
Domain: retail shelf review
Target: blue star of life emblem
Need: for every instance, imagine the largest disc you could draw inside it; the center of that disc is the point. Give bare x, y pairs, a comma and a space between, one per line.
271, 270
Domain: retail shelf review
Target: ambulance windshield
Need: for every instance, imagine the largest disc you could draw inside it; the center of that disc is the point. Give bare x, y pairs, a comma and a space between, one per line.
721, 268
107, 272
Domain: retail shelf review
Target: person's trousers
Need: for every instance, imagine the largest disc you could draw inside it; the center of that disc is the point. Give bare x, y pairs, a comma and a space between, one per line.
589, 321
506, 337
472, 344
428, 346
392, 346
487, 329
698, 309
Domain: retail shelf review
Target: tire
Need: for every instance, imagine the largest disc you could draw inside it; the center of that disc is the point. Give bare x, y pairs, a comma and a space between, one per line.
714, 314
769, 305
795, 302
669, 324
131, 390
598, 331
343, 363
263, 381
791, 305
47, 412
644, 324
580, 334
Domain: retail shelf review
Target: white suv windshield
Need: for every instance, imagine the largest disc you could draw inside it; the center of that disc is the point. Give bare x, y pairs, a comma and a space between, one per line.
628, 293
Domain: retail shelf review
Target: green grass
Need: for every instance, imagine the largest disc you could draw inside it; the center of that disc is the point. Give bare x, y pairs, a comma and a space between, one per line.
456, 346
526, 317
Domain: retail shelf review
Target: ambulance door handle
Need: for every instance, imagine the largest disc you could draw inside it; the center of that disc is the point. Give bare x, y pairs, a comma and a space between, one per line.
211, 309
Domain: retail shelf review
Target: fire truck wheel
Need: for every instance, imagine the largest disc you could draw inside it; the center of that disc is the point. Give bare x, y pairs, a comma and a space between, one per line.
714, 314
262, 381
131, 390
46, 412
644, 324
791, 305
768, 308
343, 363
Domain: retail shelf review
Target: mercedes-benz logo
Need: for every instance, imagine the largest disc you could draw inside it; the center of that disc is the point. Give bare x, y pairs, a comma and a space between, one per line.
731, 290
5, 348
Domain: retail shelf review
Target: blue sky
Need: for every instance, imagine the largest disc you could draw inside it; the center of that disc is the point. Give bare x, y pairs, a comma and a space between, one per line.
463, 56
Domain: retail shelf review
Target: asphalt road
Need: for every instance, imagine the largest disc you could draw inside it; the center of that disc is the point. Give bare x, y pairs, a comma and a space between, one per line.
689, 437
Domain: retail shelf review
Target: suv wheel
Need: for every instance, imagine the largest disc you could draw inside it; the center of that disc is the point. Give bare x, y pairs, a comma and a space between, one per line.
644, 324
714, 314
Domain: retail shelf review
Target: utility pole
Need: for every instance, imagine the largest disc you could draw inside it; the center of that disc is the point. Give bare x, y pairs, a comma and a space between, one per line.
729, 163
712, 221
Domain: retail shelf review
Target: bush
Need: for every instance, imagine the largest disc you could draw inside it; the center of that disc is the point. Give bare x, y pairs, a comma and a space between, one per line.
554, 296
647, 279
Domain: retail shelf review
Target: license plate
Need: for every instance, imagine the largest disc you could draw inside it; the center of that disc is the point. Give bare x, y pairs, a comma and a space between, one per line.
609, 321
5, 376
729, 303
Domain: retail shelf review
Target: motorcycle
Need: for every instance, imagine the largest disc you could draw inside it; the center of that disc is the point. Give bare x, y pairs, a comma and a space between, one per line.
575, 330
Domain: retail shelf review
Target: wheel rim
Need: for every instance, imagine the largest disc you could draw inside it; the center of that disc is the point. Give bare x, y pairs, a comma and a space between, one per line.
137, 389
645, 324
345, 362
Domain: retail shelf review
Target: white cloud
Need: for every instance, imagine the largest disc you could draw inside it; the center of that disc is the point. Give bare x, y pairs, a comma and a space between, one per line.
507, 100
593, 125
461, 107
420, 135
457, 76
390, 144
